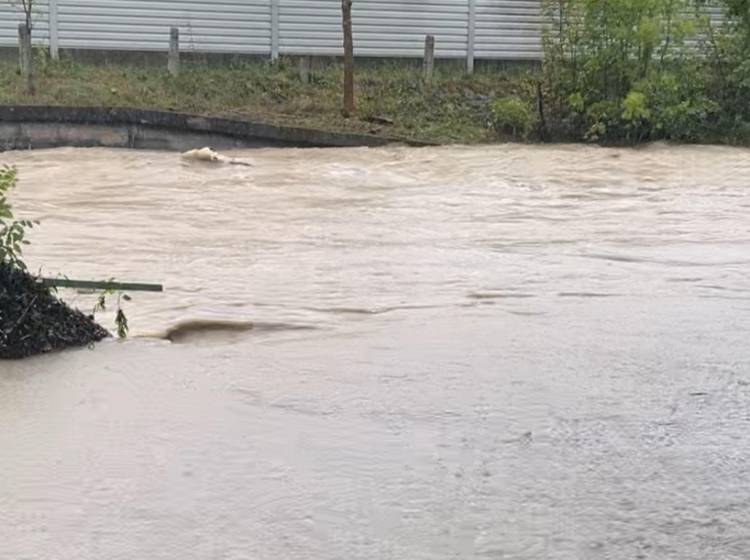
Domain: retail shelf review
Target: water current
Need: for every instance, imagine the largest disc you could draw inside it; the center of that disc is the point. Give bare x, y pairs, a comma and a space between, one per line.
506, 352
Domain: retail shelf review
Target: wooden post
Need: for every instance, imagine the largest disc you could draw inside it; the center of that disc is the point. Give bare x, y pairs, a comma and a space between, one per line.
346, 12
305, 65
25, 54
429, 58
173, 62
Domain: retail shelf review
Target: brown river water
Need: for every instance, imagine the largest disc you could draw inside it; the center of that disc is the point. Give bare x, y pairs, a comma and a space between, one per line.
505, 352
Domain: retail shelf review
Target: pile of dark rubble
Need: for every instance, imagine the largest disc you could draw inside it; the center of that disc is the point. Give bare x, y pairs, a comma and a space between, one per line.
33, 321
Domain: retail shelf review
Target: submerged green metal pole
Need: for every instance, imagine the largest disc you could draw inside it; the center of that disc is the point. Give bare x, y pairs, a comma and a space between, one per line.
113, 286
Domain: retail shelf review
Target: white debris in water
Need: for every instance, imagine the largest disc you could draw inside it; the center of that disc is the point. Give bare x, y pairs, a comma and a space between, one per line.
203, 154
208, 155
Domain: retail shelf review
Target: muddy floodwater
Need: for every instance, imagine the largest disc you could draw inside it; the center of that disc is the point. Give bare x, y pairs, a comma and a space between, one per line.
506, 352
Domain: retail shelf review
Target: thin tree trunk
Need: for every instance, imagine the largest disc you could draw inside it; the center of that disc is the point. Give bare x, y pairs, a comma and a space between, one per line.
346, 11
28, 12
26, 58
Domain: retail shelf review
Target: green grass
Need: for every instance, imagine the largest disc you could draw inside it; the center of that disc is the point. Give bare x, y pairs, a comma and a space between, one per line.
453, 110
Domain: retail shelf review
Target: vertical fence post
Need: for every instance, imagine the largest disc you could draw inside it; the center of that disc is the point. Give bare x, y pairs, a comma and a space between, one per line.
429, 58
54, 44
274, 30
471, 36
173, 61
305, 65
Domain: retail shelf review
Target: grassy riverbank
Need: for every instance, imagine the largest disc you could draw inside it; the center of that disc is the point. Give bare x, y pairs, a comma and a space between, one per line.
392, 99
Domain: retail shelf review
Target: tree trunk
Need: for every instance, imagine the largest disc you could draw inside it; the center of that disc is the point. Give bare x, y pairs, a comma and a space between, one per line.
26, 58
346, 10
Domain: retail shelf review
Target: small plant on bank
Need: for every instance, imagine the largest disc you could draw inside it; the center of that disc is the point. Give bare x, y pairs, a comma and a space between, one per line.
121, 320
12, 231
514, 117
13, 240
32, 320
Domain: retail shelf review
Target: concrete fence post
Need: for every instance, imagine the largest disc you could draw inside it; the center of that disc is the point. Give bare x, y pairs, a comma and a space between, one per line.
173, 61
25, 56
305, 66
471, 36
54, 31
429, 58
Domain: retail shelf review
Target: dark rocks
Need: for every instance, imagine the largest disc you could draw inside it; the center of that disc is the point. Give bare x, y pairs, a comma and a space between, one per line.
380, 120
33, 321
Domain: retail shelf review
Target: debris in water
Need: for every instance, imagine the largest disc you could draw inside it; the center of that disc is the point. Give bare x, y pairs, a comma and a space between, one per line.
211, 156
33, 321
204, 154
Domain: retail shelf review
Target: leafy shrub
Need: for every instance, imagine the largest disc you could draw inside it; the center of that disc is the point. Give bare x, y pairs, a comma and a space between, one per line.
635, 116
513, 116
12, 241
600, 58
727, 53
603, 121
679, 108
12, 232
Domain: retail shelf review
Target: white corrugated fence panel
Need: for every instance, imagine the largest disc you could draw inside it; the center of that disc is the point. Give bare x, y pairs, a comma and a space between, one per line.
232, 26
505, 29
381, 27
509, 29
11, 14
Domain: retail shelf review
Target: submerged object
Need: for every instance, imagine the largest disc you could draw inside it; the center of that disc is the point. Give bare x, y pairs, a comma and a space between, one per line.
203, 154
209, 155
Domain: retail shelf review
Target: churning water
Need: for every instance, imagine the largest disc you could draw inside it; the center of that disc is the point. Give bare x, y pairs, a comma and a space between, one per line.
505, 352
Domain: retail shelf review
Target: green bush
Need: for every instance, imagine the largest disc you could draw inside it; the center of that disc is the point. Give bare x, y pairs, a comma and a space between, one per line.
727, 53
638, 70
678, 106
12, 232
600, 58
513, 116
636, 116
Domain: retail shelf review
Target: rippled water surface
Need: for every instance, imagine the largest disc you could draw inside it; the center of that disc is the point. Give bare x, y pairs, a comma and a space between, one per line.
504, 352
